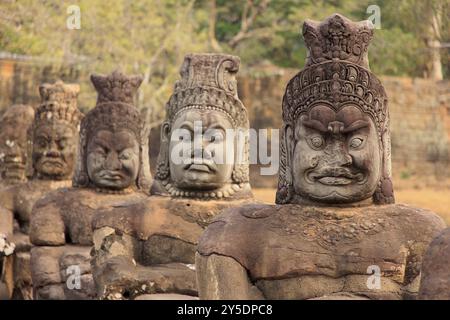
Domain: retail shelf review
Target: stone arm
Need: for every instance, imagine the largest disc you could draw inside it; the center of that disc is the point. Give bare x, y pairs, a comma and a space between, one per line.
113, 264
435, 281
24, 201
223, 278
47, 226
416, 253
6, 222
7, 211
118, 276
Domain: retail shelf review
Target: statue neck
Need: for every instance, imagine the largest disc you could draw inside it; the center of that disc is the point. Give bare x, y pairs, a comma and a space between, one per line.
228, 191
297, 199
112, 191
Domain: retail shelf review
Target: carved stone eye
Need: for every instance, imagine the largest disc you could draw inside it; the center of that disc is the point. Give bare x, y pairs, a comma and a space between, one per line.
63, 143
317, 142
42, 143
98, 151
356, 142
125, 155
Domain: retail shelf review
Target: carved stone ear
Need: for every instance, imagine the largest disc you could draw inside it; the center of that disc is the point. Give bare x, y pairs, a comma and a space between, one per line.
285, 183
162, 167
80, 178
385, 190
165, 131
30, 165
144, 177
241, 173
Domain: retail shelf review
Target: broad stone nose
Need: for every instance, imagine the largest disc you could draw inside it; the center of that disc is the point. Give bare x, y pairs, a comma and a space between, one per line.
335, 127
337, 154
13, 150
112, 161
53, 150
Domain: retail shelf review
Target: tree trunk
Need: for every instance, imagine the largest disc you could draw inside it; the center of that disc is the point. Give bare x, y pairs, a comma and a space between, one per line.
433, 43
212, 27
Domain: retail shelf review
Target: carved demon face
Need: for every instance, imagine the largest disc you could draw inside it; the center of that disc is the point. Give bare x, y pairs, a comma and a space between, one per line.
54, 150
336, 156
113, 159
13, 150
199, 140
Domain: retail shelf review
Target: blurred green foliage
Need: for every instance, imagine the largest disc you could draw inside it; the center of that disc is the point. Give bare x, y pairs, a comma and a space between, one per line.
151, 37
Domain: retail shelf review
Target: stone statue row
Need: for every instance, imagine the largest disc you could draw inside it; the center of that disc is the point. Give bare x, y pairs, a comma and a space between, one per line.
83, 219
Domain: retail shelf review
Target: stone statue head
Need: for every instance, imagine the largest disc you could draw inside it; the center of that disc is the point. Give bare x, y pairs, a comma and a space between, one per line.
335, 146
202, 110
14, 124
113, 149
54, 133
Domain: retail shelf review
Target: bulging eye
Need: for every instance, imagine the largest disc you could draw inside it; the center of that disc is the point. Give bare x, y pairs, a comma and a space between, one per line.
42, 143
125, 155
317, 142
63, 143
356, 143
99, 152
216, 138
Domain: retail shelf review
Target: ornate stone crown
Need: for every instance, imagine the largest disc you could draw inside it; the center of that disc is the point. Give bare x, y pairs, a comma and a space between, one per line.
114, 111
115, 108
116, 87
337, 73
59, 103
337, 38
208, 81
18, 115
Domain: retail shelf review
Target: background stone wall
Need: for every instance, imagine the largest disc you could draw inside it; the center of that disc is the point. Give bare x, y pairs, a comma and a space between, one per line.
420, 122
419, 108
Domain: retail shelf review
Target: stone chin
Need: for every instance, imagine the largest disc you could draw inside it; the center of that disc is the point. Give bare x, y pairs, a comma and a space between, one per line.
52, 168
14, 171
197, 180
111, 184
333, 197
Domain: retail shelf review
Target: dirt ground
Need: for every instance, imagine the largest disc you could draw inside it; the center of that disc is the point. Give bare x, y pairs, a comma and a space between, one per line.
429, 198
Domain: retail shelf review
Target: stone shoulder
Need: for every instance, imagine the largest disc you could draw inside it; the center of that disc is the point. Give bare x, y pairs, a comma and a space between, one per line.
418, 223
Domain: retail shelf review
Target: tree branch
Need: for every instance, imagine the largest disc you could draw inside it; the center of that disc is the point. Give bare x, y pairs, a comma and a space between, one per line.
249, 14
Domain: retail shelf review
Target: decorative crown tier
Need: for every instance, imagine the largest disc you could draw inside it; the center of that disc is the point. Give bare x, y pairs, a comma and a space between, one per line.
115, 108
116, 87
59, 103
336, 71
337, 38
208, 81
336, 83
